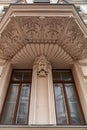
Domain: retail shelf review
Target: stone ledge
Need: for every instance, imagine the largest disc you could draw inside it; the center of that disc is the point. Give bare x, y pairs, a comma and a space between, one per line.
42, 127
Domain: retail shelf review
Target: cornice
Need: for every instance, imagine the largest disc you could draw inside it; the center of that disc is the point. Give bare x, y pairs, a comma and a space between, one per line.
42, 10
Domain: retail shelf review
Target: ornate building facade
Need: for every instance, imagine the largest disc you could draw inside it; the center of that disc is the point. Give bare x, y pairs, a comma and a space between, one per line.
43, 64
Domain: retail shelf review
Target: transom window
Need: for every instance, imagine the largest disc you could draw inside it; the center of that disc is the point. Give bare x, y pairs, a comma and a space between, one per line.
68, 110
16, 107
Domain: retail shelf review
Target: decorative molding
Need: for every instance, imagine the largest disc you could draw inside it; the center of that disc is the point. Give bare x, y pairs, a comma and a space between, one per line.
42, 85
43, 30
54, 53
42, 27
10, 41
42, 65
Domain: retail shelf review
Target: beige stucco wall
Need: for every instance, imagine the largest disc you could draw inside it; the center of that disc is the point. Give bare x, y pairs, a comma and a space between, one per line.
4, 82
42, 101
81, 85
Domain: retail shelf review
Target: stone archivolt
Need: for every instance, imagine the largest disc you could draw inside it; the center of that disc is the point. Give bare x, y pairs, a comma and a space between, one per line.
63, 31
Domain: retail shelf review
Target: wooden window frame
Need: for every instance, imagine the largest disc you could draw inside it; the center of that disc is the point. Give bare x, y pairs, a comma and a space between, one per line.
18, 97
65, 98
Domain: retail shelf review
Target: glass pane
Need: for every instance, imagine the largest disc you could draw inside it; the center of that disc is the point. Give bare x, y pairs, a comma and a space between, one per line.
62, 75
56, 75
17, 76
27, 75
41, 1
60, 104
8, 113
66, 75
23, 105
22, 75
76, 1
75, 112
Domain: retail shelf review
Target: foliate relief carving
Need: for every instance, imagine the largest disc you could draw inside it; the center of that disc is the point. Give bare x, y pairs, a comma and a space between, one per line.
10, 41
30, 26
74, 40
42, 66
52, 28
42, 28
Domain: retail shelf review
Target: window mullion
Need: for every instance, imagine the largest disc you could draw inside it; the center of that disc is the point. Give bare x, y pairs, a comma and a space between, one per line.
67, 105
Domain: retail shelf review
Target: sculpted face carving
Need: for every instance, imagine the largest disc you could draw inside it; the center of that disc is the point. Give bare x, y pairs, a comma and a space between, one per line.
42, 66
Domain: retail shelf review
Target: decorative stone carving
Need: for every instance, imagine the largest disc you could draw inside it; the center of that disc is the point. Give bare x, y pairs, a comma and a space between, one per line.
42, 65
10, 41
42, 84
38, 28
63, 31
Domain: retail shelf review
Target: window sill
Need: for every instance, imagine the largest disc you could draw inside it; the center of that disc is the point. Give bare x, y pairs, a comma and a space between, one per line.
41, 127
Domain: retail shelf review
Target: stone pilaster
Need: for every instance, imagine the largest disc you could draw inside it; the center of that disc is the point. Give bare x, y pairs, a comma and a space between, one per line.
42, 107
4, 82
81, 86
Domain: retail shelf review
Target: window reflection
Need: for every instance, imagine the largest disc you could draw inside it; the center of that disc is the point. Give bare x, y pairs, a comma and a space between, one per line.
9, 109
23, 104
76, 117
19, 75
62, 75
68, 109
66, 76
17, 103
60, 104
41, 1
